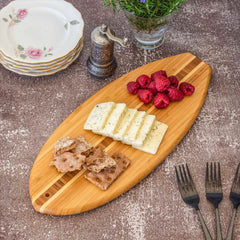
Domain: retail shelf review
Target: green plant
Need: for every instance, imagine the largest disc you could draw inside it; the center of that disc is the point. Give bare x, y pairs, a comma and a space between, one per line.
145, 8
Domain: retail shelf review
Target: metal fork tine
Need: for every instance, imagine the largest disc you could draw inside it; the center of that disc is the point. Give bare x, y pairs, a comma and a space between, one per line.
178, 178
183, 179
179, 182
215, 171
219, 176
234, 185
207, 174
211, 172
184, 172
190, 179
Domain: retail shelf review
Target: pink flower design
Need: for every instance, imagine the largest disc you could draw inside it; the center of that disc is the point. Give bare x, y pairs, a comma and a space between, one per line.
22, 13
50, 49
34, 53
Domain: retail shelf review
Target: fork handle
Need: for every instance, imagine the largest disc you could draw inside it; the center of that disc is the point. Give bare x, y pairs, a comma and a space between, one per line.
230, 228
219, 231
204, 226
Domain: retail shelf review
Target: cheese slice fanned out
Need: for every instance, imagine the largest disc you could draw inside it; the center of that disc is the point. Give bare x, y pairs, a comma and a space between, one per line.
154, 138
112, 122
144, 130
134, 128
99, 116
124, 123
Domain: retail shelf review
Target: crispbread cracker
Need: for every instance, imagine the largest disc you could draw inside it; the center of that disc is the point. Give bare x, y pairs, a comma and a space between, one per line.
107, 176
64, 145
70, 154
82, 146
68, 162
99, 160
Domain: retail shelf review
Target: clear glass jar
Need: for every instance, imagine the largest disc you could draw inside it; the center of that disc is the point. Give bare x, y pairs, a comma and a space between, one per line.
148, 33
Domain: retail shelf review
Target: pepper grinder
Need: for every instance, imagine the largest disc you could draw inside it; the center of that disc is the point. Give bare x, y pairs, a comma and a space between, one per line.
102, 63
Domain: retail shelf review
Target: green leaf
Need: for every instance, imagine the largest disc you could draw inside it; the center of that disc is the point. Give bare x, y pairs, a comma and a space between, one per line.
74, 22
10, 16
50, 54
5, 19
21, 48
44, 49
17, 21
45, 55
66, 26
23, 56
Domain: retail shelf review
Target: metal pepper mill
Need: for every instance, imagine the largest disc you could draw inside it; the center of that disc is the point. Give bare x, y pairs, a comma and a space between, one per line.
102, 63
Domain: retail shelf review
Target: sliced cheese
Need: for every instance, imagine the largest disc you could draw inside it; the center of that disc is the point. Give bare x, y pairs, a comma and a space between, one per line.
144, 130
99, 116
134, 128
124, 123
112, 122
154, 138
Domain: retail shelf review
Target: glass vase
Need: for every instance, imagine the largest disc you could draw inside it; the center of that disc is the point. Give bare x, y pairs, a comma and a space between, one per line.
148, 33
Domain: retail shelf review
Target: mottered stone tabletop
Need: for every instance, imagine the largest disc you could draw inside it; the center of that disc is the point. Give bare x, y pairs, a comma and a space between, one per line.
32, 108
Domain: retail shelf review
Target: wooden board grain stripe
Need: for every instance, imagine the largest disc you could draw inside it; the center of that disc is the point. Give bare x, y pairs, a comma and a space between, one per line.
67, 184
187, 69
49, 194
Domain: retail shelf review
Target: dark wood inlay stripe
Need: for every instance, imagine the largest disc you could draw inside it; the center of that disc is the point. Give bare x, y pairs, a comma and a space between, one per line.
105, 142
144, 108
55, 188
187, 69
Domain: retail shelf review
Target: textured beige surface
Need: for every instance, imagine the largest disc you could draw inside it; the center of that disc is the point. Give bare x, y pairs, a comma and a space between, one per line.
31, 109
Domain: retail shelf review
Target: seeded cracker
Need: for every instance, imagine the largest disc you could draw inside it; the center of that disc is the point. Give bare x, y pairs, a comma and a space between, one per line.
68, 162
99, 160
70, 154
107, 176
64, 145
82, 146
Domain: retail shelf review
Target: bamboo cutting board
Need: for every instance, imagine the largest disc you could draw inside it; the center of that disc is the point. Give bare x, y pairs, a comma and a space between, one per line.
56, 193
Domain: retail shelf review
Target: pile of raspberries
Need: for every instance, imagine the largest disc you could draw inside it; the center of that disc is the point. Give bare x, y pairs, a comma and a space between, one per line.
160, 88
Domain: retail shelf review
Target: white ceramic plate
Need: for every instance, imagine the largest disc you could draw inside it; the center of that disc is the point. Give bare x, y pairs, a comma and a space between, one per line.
26, 66
45, 73
39, 31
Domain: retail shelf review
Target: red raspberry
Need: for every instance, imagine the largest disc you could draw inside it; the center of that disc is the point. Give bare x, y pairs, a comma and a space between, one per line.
152, 88
174, 94
133, 87
173, 81
158, 73
145, 95
143, 81
161, 100
162, 83
186, 88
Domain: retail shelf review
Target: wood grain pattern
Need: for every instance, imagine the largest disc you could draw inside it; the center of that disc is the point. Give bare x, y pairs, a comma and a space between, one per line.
64, 194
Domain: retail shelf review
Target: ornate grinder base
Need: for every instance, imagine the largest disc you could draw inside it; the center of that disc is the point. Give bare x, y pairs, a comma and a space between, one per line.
103, 70
102, 62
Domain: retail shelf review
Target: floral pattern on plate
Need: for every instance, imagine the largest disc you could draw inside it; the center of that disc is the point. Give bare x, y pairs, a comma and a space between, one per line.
33, 53
16, 17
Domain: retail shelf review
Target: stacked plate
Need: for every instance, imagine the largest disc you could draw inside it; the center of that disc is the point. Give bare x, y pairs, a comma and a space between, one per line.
40, 37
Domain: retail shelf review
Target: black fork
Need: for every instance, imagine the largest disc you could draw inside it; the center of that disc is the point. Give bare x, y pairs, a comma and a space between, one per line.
189, 194
213, 187
235, 198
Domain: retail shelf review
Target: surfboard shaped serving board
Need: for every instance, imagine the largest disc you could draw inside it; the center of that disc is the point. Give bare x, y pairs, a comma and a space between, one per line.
57, 193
